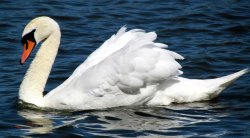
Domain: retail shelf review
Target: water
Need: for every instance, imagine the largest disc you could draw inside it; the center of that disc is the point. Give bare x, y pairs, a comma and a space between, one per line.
212, 36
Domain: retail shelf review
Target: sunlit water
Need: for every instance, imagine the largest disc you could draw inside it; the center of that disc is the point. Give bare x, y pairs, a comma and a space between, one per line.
212, 36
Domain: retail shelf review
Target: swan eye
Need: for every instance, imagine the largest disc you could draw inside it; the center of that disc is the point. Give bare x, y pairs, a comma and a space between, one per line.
29, 36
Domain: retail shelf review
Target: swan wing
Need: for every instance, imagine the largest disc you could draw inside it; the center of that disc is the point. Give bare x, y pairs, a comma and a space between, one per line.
124, 64
132, 60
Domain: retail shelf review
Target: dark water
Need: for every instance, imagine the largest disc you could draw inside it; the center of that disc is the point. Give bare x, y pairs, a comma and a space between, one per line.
212, 36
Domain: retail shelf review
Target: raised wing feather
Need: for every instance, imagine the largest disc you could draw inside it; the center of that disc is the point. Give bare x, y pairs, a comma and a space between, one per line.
124, 63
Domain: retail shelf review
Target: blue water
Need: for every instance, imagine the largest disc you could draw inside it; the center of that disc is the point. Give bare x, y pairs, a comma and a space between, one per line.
213, 37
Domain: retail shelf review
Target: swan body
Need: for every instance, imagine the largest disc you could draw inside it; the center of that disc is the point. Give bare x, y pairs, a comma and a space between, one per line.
127, 69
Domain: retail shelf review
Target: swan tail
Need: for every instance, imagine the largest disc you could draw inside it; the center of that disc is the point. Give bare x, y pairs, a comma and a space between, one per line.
223, 82
229, 79
183, 90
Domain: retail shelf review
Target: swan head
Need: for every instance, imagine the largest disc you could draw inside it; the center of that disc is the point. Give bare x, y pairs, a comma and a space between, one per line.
36, 31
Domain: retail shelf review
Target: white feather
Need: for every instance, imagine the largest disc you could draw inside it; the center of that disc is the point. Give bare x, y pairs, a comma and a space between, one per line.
127, 69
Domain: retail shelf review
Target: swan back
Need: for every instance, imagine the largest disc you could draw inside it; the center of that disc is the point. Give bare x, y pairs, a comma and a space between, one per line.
126, 68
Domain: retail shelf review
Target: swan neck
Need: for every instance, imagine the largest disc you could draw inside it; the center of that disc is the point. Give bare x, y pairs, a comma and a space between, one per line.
33, 84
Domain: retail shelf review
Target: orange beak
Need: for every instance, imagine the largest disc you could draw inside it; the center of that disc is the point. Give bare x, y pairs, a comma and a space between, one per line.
28, 47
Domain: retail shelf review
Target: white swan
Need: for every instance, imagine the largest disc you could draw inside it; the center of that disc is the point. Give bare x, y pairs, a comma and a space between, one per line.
128, 69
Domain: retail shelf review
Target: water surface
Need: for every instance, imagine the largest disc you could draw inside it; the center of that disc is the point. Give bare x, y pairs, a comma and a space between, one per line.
212, 36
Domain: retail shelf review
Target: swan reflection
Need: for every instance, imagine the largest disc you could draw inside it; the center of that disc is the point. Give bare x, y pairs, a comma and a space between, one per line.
38, 122
135, 119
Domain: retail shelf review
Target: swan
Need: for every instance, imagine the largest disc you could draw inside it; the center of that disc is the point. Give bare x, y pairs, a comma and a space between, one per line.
128, 69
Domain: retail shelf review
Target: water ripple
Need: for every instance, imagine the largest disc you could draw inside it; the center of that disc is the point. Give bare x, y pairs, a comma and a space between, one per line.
213, 36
